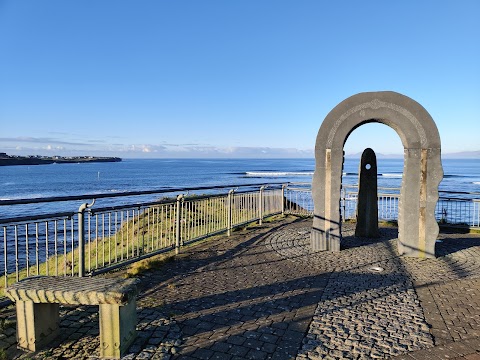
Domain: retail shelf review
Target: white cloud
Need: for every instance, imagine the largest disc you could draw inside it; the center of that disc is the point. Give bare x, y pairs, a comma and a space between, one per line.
42, 146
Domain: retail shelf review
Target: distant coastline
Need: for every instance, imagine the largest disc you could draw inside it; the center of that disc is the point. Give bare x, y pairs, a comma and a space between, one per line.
10, 160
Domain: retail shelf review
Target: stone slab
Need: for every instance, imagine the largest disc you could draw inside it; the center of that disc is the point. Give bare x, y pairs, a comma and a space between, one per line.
73, 290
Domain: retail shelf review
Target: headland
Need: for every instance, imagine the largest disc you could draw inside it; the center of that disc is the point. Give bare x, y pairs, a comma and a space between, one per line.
8, 160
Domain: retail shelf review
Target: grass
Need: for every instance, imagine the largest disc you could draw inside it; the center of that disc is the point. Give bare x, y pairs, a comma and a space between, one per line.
158, 261
147, 231
140, 233
154, 263
133, 238
5, 324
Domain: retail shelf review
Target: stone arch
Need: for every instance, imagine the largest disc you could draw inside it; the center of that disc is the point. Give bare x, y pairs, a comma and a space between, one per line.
422, 170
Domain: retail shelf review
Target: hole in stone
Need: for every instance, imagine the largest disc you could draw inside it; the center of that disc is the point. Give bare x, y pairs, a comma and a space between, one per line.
376, 269
368, 166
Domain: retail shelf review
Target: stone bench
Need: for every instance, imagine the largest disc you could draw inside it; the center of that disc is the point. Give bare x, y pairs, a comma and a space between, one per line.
37, 303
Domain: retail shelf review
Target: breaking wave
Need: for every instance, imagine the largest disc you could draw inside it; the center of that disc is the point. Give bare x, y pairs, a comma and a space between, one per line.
278, 173
391, 175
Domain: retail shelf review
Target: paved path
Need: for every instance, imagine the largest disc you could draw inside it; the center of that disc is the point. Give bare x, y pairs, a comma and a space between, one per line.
263, 294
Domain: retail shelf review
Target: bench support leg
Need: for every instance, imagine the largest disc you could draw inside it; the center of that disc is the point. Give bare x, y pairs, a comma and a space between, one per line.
117, 329
37, 324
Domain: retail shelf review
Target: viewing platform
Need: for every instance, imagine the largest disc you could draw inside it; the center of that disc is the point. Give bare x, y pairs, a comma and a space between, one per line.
263, 294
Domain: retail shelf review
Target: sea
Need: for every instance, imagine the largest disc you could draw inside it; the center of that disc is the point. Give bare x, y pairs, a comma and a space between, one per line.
54, 180
26, 182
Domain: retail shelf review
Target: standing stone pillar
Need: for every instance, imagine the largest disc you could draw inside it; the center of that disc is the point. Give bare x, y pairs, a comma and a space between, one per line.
367, 203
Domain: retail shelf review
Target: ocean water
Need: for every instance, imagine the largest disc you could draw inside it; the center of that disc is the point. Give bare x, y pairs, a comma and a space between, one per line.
17, 182
20, 182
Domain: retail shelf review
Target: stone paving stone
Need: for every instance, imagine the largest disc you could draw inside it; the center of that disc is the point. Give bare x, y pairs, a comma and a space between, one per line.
256, 354
251, 298
221, 356
221, 347
443, 352
475, 356
458, 259
423, 355
238, 350
460, 348
264, 294
473, 343
203, 354
353, 290
236, 340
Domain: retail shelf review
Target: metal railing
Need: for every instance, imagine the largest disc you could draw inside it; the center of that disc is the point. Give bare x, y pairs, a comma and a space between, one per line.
456, 208
298, 199
129, 227
94, 239
388, 199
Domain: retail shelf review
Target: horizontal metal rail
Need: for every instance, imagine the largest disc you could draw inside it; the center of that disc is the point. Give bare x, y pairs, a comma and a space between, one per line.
460, 209
94, 239
126, 194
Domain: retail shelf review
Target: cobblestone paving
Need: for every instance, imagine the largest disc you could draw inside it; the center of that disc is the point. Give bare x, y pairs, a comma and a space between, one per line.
412, 304
238, 300
449, 290
232, 299
364, 313
458, 257
157, 337
263, 294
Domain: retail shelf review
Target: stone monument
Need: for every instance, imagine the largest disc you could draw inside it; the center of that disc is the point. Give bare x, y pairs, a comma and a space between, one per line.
417, 227
367, 202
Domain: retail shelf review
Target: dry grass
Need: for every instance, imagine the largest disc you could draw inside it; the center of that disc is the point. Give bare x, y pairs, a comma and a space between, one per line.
153, 263
134, 238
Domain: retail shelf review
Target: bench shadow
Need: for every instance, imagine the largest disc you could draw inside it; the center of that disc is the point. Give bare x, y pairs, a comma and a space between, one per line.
272, 317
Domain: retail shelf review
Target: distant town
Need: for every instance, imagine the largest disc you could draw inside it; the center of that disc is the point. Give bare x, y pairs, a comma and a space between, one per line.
7, 160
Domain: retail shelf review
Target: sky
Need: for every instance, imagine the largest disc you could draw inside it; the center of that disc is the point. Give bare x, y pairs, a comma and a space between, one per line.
249, 78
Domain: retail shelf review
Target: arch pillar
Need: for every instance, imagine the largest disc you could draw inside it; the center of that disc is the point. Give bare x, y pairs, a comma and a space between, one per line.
422, 171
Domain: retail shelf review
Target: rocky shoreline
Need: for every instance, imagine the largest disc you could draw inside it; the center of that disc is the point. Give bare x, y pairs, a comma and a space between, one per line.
9, 160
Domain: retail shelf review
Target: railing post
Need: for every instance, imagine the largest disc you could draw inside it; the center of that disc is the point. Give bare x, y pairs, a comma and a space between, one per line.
178, 223
81, 238
283, 199
230, 209
260, 205
474, 207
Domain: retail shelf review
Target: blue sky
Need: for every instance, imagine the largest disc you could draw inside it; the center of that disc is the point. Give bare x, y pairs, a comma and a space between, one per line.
250, 78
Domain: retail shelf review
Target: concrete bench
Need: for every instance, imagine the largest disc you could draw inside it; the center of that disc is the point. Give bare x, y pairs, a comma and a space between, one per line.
37, 303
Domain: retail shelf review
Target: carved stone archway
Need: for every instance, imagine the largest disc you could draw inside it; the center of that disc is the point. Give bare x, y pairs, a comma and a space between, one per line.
422, 170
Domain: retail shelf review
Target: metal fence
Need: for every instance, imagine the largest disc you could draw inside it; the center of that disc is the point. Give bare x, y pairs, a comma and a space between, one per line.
456, 208
94, 239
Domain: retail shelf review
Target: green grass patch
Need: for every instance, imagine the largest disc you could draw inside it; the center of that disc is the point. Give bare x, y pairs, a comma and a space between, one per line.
3, 355
154, 263
5, 324
140, 233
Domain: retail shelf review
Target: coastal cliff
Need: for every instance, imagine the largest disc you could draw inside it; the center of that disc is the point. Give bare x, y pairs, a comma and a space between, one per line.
8, 160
